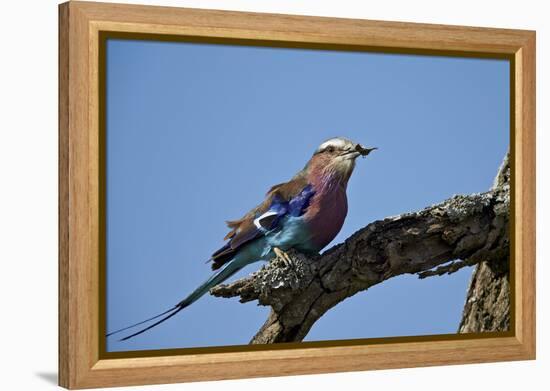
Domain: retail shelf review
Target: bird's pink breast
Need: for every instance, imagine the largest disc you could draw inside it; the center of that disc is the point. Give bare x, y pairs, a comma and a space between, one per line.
326, 214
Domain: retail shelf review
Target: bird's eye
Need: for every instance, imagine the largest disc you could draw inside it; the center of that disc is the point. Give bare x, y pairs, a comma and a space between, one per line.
330, 149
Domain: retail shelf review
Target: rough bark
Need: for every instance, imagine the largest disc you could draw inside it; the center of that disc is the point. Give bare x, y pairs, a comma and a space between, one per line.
487, 306
441, 239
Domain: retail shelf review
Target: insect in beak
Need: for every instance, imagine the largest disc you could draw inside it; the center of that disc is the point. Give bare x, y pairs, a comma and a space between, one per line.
364, 151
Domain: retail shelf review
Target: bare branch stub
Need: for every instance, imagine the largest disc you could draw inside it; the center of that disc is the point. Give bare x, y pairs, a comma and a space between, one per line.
469, 228
487, 306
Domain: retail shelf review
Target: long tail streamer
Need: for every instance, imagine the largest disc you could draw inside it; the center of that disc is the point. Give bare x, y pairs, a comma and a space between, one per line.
219, 277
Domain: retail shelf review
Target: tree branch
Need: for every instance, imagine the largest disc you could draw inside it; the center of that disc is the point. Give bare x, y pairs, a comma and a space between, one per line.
471, 228
487, 306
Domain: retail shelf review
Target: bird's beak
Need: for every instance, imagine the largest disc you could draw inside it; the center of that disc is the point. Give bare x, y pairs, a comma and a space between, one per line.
364, 151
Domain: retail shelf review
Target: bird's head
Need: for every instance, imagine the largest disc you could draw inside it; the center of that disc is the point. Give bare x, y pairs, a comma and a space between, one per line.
336, 157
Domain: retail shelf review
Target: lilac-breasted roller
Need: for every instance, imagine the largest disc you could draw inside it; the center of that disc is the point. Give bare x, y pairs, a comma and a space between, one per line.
305, 214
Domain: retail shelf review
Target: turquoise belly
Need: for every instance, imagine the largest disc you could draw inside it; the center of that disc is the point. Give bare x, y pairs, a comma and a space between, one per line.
293, 234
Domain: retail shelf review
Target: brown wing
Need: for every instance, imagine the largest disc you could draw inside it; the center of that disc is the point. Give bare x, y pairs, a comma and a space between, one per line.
243, 230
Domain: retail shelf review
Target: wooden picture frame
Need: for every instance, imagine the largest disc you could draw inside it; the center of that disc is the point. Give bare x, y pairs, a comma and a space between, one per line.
81, 25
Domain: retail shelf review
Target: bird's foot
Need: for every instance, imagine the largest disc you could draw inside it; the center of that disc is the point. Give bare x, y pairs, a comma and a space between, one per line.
283, 257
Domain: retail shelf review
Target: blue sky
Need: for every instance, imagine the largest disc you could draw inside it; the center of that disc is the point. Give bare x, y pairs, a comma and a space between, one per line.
197, 133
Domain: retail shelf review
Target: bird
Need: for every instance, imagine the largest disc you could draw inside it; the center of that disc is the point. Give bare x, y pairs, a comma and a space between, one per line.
305, 214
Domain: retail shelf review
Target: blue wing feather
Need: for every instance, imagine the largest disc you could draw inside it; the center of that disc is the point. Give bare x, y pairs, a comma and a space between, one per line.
265, 222
298, 205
